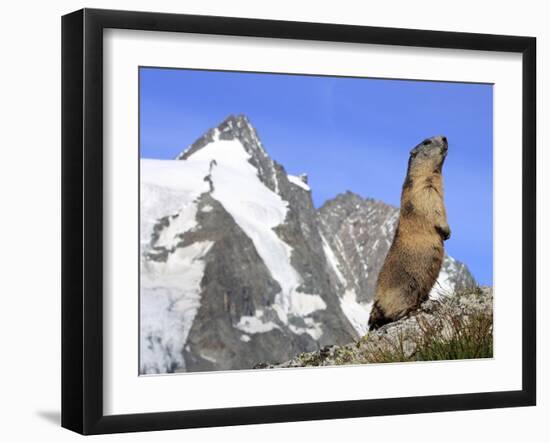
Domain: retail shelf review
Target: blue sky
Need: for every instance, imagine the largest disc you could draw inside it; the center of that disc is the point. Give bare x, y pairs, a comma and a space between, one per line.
346, 133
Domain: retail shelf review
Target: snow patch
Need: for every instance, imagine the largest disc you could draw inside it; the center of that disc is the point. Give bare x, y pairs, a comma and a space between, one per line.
170, 289
179, 223
303, 305
313, 329
169, 301
298, 182
207, 358
253, 324
332, 260
245, 338
443, 287
357, 313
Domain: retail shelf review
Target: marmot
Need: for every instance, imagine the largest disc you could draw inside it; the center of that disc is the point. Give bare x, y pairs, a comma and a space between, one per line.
414, 260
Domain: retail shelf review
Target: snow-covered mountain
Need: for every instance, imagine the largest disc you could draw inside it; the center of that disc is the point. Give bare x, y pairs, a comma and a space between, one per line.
238, 267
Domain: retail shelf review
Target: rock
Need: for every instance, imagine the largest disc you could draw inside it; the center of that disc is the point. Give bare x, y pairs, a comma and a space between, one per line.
468, 315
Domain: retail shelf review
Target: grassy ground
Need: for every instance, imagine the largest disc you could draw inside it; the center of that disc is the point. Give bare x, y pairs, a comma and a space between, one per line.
450, 338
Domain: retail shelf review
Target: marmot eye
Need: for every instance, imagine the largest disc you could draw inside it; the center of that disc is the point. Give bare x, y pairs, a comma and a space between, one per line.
426, 142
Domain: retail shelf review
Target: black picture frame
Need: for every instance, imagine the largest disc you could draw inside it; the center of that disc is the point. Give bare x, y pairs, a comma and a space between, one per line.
82, 219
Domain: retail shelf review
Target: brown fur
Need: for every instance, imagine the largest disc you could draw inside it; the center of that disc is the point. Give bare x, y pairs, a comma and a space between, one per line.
416, 254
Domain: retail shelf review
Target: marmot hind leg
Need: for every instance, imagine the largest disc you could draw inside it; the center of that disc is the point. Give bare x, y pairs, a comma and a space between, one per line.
377, 317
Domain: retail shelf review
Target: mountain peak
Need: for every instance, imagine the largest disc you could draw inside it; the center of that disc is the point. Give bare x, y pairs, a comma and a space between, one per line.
351, 201
233, 127
238, 121
238, 127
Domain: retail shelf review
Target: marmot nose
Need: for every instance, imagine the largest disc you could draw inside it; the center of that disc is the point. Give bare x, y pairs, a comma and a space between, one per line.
444, 143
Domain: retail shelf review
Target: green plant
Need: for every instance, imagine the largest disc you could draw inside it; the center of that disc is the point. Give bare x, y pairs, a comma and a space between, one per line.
457, 338
448, 334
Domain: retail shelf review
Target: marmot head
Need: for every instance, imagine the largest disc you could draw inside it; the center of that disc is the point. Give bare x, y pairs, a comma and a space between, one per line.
428, 156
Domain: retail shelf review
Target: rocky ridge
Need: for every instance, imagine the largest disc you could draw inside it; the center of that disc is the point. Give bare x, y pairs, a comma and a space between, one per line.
443, 321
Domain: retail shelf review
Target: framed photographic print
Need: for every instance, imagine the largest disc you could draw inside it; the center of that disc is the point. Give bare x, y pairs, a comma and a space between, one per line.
269, 221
